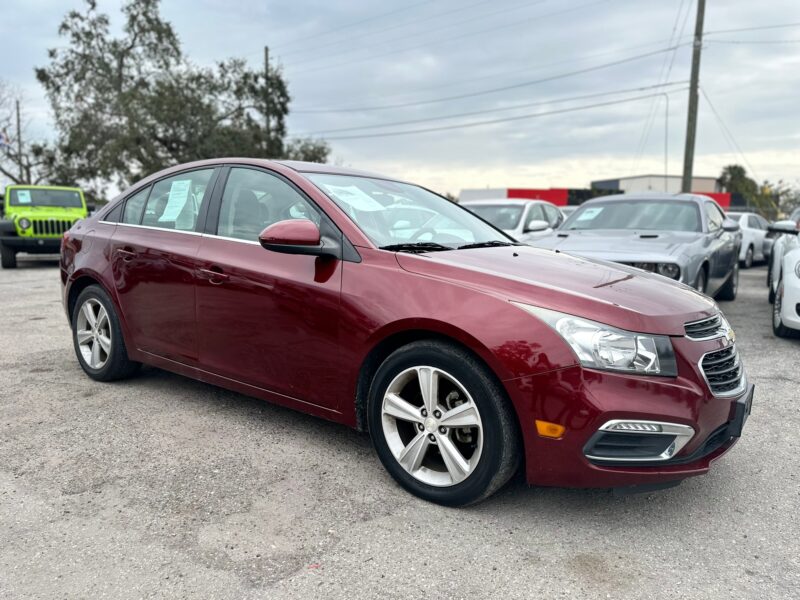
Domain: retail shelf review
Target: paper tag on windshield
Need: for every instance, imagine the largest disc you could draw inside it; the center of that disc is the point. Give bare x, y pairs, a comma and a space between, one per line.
178, 193
24, 196
354, 197
590, 213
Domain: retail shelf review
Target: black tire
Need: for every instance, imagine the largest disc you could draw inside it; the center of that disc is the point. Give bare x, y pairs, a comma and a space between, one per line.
748, 258
8, 257
729, 290
501, 452
778, 328
117, 365
701, 281
770, 292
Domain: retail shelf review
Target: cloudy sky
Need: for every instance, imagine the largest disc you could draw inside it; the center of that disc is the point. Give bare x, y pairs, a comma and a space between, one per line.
428, 72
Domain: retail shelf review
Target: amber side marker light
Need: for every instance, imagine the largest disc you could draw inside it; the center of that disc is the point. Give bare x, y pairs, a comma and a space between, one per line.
549, 430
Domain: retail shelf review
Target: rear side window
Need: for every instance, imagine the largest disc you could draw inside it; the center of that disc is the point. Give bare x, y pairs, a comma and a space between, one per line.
176, 201
113, 215
134, 206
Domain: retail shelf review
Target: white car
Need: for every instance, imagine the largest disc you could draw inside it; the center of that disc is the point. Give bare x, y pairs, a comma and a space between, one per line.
786, 308
523, 220
786, 242
754, 231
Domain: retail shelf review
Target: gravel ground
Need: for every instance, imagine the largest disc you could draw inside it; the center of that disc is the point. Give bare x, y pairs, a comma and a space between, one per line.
165, 487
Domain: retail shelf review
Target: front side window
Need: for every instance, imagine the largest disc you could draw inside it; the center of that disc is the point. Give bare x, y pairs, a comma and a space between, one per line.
638, 215
536, 213
553, 215
254, 200
715, 217
373, 205
175, 202
134, 207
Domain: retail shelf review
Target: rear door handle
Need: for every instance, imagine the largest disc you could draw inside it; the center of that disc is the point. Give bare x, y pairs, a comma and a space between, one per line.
215, 276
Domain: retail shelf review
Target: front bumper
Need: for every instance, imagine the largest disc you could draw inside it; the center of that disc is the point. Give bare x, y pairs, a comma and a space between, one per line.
583, 400
32, 245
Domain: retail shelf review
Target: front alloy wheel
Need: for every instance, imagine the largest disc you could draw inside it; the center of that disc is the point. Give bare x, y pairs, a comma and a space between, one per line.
442, 424
432, 426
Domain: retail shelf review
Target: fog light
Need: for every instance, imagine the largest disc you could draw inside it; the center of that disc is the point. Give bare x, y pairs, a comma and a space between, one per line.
549, 430
24, 223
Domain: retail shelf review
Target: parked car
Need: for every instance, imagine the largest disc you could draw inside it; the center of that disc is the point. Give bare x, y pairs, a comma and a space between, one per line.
523, 220
684, 237
786, 241
786, 305
568, 210
755, 246
464, 354
35, 217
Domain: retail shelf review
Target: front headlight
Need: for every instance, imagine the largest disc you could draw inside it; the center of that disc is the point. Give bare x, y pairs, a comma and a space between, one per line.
669, 270
600, 346
24, 223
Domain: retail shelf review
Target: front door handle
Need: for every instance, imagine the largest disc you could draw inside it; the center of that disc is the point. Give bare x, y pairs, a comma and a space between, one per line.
214, 276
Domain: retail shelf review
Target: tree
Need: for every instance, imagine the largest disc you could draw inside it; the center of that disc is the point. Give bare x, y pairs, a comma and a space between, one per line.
734, 180
28, 162
128, 106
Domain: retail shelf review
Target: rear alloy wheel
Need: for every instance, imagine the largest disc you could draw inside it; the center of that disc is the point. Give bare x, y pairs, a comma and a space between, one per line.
748, 258
97, 337
8, 257
731, 287
441, 424
778, 328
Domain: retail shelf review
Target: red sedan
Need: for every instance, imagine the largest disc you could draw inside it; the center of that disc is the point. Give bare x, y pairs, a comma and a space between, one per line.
378, 304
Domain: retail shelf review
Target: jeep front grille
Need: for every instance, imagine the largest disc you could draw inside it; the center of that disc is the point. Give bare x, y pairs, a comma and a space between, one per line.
51, 226
705, 328
723, 371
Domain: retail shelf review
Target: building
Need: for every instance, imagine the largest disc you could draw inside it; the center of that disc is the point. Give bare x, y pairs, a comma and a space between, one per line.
657, 183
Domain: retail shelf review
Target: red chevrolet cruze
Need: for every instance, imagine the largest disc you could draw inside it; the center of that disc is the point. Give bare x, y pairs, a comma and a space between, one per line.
378, 304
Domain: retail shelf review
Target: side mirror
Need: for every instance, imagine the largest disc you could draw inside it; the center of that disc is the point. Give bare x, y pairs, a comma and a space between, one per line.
297, 236
788, 226
536, 225
730, 225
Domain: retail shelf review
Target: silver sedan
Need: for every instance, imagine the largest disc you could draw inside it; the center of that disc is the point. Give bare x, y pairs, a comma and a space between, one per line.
685, 237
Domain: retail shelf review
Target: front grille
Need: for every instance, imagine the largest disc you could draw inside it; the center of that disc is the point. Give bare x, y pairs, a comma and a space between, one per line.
51, 226
723, 370
705, 328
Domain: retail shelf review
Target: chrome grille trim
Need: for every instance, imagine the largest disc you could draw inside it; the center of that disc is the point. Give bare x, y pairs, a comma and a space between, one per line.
706, 329
723, 371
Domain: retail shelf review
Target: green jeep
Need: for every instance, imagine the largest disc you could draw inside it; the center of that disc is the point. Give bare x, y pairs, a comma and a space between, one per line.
35, 218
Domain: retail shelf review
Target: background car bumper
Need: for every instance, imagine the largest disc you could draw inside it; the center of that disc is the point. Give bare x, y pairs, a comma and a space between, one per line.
583, 400
32, 245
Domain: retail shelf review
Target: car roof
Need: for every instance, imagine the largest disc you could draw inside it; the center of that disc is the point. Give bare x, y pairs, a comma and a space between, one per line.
697, 198
312, 167
506, 201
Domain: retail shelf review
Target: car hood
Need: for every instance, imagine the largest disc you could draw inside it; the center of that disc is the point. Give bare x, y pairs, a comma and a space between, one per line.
615, 294
617, 245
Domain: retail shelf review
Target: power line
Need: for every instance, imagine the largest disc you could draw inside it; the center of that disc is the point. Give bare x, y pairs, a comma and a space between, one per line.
728, 134
360, 22
494, 90
400, 26
758, 28
494, 110
495, 121
753, 41
446, 40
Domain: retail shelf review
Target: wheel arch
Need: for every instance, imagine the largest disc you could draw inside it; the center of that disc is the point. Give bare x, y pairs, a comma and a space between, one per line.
80, 282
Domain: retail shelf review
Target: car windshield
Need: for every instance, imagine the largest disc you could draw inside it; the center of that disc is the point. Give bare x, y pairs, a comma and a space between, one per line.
45, 197
662, 215
502, 216
396, 215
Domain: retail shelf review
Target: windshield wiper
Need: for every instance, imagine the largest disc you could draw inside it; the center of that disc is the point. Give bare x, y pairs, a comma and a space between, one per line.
491, 244
416, 247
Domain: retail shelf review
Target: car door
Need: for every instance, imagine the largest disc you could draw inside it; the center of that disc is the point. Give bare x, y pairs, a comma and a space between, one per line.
721, 248
153, 250
267, 319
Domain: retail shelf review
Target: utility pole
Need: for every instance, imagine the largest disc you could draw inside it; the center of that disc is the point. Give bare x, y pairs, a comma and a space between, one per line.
19, 147
266, 95
691, 121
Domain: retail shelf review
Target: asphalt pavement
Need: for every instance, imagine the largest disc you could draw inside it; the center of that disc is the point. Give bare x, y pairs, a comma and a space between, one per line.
162, 487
